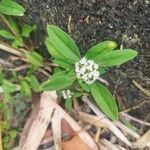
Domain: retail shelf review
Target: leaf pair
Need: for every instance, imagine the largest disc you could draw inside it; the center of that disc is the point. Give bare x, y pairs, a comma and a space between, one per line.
104, 55
63, 49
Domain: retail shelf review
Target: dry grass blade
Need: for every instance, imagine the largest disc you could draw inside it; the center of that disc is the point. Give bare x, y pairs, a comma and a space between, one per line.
56, 127
124, 115
10, 50
91, 119
41, 122
127, 130
5, 63
110, 124
144, 141
69, 24
108, 145
37, 130
141, 88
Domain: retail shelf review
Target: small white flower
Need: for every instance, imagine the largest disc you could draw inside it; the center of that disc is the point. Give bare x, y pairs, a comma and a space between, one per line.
66, 94
91, 62
82, 70
90, 74
87, 70
90, 67
95, 66
83, 60
85, 77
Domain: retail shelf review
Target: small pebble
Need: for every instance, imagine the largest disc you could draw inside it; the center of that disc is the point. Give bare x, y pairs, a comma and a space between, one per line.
147, 2
110, 26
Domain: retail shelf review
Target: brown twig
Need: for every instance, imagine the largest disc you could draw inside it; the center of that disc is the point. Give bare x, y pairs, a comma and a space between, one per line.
141, 88
105, 120
4, 62
136, 107
21, 54
11, 50
69, 24
146, 118
134, 119
22, 67
98, 132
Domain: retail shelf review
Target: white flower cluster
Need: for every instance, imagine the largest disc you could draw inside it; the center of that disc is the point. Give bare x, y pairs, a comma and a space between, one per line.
87, 70
67, 94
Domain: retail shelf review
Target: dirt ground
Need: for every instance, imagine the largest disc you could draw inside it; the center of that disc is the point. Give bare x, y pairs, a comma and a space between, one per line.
125, 21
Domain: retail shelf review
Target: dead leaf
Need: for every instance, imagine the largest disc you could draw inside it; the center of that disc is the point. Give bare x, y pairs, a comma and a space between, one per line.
66, 128
49, 110
76, 143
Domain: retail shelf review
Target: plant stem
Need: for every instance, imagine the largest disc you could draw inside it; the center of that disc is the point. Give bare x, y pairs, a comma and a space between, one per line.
9, 26
10, 49
12, 30
1, 141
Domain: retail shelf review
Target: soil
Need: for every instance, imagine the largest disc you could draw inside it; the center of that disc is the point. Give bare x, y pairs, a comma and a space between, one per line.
125, 21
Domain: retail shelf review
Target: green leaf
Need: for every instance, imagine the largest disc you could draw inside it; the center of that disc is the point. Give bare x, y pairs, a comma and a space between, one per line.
104, 100
116, 57
1, 77
13, 134
100, 49
6, 34
13, 23
8, 7
25, 88
9, 87
34, 83
55, 53
62, 43
68, 104
7, 112
18, 42
61, 63
84, 86
27, 29
35, 59
58, 81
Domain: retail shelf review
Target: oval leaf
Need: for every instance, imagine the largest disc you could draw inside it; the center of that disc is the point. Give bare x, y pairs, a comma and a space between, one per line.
68, 104
34, 83
27, 29
6, 34
61, 63
25, 88
116, 57
63, 43
58, 81
35, 59
84, 86
8, 7
100, 49
13, 23
104, 100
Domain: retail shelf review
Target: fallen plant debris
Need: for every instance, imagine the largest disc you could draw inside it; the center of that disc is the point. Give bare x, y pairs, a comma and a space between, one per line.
49, 110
